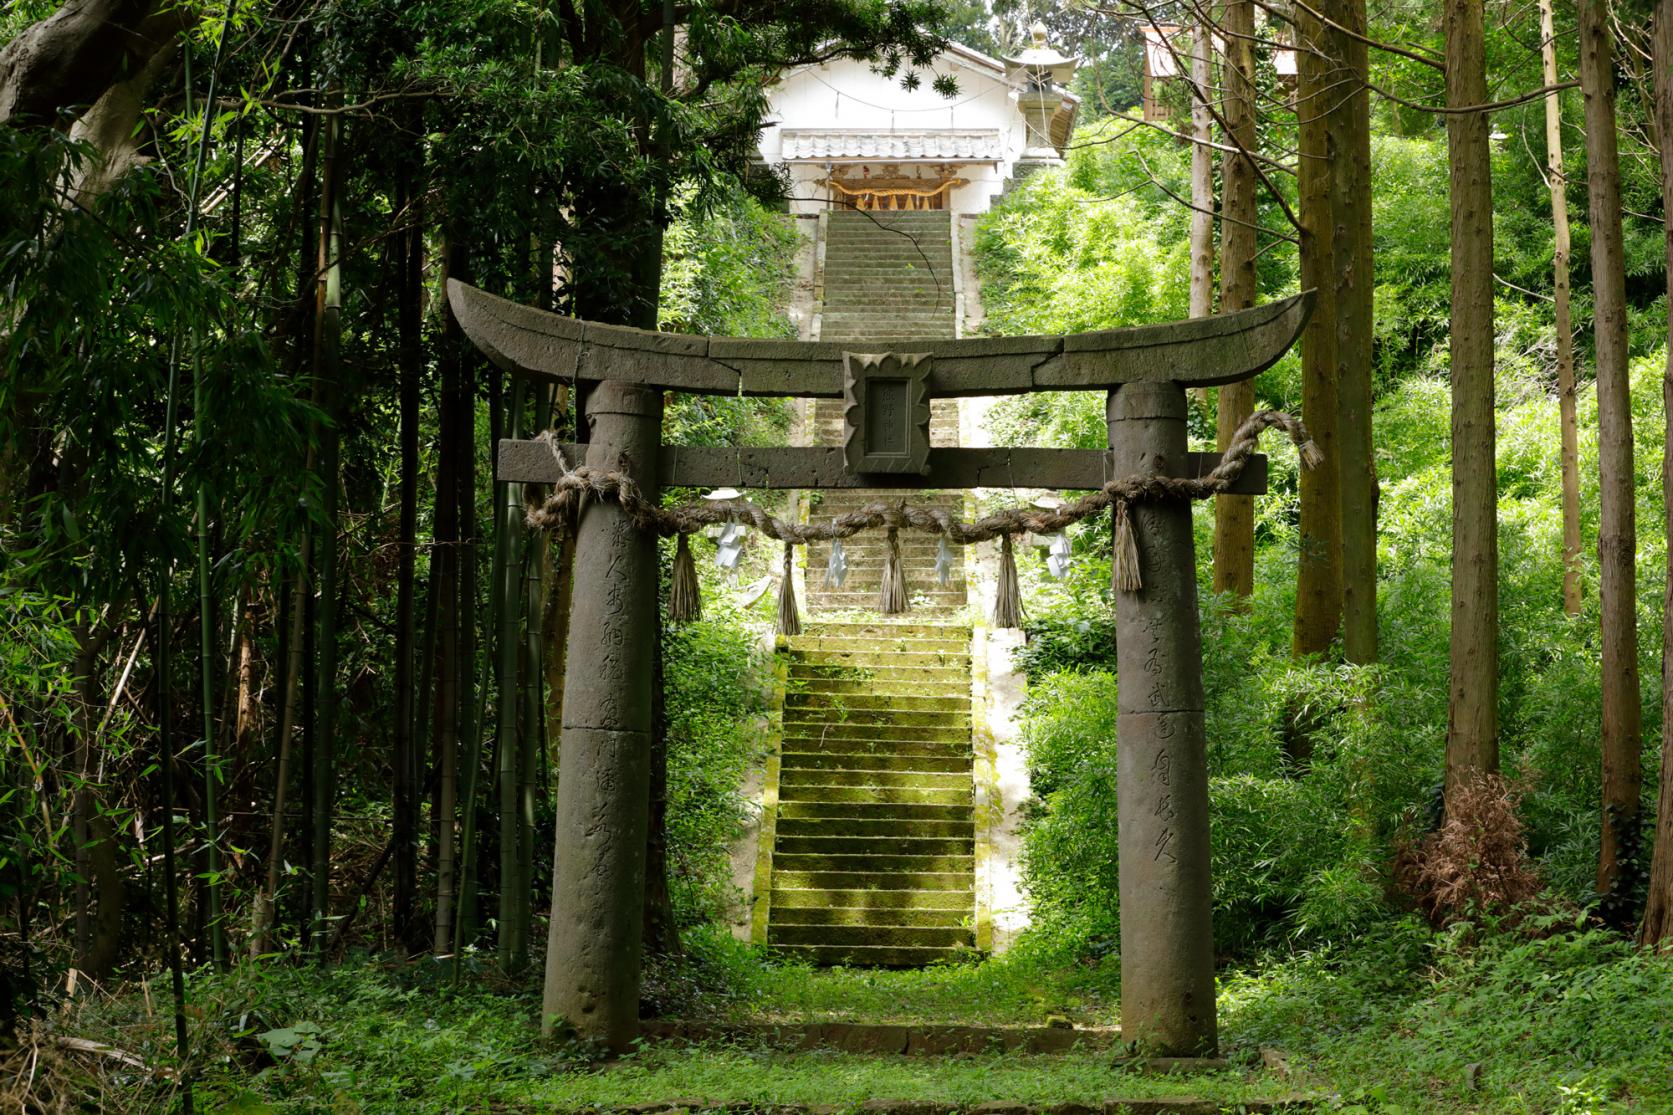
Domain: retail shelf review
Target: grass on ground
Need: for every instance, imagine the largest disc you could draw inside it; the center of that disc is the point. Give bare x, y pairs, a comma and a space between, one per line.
1573, 1023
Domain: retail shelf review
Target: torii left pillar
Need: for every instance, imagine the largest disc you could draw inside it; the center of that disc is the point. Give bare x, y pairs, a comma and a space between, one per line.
598, 883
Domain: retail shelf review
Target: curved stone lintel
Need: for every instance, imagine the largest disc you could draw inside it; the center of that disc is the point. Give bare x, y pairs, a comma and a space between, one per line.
1200, 352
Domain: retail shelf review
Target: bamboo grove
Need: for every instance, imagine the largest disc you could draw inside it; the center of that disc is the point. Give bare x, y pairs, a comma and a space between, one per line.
276, 639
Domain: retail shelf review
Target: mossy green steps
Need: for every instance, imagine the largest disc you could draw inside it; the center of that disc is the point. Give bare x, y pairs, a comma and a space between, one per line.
873, 851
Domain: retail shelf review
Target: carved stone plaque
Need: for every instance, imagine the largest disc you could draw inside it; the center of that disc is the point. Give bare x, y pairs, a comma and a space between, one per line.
886, 412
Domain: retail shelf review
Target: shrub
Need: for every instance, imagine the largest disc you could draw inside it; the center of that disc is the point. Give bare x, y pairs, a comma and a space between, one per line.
1477, 862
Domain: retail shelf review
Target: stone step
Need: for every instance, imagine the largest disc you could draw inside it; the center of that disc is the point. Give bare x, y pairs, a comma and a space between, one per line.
842, 706
893, 630
886, 863
912, 305
889, 717
900, 882
863, 600
881, 759
874, 827
808, 744
883, 644
926, 789
815, 786
816, 678
851, 248
927, 235
886, 733
869, 957
879, 917
795, 898
896, 339
874, 678
849, 764
854, 657
896, 269
872, 810
901, 317
838, 689
913, 544
870, 332
905, 847
895, 936
887, 629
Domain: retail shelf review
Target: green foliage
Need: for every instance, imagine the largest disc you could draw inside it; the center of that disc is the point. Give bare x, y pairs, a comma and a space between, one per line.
1057, 258
727, 271
1573, 1022
1317, 770
715, 702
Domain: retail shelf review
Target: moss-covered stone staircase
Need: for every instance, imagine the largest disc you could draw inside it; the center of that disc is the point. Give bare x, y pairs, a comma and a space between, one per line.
874, 853
874, 848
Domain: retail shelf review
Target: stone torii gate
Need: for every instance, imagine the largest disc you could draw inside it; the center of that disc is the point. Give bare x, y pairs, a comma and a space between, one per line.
1167, 958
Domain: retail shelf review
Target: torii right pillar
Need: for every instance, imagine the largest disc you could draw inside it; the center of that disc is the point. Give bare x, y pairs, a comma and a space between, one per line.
1167, 944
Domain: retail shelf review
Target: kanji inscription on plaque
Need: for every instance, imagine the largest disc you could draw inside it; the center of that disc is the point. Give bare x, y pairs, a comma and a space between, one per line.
886, 412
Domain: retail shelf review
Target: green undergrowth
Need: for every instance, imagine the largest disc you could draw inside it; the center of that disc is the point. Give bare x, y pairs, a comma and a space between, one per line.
1549, 1020
733, 1074
1577, 1022
1020, 988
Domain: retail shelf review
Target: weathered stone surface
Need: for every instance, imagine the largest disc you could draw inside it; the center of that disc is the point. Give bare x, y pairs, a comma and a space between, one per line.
886, 413
592, 976
887, 1038
818, 468
1203, 351
1167, 954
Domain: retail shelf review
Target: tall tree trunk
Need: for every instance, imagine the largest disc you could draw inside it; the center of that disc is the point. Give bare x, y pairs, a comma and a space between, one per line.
404, 761
509, 550
1472, 741
1318, 577
472, 673
1202, 173
1234, 516
1657, 928
99, 890
1566, 419
444, 575
1617, 531
207, 607
327, 367
294, 667
1350, 203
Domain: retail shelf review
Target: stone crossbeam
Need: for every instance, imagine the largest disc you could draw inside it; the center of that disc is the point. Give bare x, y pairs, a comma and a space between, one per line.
1200, 352
532, 462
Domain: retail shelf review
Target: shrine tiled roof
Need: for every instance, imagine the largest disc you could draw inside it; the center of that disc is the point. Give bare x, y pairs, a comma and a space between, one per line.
948, 143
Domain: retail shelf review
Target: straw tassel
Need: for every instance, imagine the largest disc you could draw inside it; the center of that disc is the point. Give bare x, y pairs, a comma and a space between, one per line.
1124, 563
685, 599
789, 623
1311, 455
1007, 603
892, 597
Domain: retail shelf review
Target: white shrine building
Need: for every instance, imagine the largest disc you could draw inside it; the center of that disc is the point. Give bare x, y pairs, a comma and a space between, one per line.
851, 137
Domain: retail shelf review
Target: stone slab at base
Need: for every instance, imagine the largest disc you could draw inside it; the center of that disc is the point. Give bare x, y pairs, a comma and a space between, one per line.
859, 1037
1115, 1106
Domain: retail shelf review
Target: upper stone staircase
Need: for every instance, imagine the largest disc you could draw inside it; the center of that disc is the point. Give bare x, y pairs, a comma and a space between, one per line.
874, 847
888, 277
